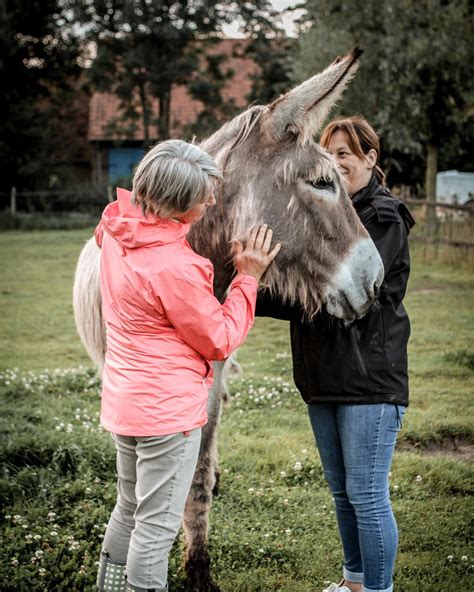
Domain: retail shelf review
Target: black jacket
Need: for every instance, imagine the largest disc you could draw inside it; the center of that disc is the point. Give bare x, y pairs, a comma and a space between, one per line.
367, 361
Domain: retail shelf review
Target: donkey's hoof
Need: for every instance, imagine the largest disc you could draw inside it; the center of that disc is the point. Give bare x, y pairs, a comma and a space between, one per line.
203, 585
199, 578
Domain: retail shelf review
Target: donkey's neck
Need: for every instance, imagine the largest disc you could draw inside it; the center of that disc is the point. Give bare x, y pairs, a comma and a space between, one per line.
209, 237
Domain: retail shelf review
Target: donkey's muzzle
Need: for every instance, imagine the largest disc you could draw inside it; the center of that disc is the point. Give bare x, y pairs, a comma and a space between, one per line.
356, 282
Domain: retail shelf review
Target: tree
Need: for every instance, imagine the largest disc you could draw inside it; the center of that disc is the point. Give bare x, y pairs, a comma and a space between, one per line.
145, 47
270, 48
273, 55
40, 64
415, 81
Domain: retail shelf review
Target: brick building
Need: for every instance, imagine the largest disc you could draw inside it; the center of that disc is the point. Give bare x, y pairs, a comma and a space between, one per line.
115, 153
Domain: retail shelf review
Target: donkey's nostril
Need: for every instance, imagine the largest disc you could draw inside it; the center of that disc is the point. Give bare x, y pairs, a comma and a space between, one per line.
372, 293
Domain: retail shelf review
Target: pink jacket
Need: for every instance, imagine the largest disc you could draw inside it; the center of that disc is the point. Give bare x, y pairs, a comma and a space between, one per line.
164, 324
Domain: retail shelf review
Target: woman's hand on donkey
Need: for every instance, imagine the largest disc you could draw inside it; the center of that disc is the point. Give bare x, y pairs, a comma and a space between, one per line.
256, 256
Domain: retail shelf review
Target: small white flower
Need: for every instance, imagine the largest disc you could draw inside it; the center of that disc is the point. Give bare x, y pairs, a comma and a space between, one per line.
450, 557
282, 474
288, 531
53, 533
15, 562
464, 558
39, 553
297, 466
42, 571
419, 479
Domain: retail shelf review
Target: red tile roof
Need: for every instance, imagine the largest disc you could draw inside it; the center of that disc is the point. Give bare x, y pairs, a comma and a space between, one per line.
104, 108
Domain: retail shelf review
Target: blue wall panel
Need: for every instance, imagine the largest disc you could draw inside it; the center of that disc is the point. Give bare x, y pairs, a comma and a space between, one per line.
122, 162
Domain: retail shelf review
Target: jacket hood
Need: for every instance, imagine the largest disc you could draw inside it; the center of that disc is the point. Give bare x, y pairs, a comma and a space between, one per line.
131, 229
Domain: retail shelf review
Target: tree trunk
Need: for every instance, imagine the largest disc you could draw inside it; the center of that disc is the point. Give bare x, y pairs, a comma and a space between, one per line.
145, 116
430, 185
165, 114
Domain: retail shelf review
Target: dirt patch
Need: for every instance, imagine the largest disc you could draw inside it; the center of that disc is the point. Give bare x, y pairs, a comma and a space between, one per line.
432, 290
435, 287
450, 446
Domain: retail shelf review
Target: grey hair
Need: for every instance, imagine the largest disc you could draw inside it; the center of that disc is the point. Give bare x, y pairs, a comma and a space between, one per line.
173, 177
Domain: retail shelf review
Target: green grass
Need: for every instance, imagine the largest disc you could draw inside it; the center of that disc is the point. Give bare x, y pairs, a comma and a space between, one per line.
36, 274
273, 526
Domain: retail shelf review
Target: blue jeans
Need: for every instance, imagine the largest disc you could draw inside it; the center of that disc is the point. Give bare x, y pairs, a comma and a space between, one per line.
356, 444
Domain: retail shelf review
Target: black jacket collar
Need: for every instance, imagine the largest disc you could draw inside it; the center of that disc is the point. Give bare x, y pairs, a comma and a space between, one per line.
365, 195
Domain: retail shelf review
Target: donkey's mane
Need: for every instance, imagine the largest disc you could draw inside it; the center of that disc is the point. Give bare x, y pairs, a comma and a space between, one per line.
225, 140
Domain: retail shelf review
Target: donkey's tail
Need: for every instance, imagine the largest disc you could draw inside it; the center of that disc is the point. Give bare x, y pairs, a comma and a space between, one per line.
87, 303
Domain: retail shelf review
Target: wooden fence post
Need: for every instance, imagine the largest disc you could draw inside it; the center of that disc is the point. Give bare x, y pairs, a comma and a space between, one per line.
13, 201
430, 186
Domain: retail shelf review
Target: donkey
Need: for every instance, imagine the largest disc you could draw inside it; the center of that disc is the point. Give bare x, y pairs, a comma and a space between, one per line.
274, 173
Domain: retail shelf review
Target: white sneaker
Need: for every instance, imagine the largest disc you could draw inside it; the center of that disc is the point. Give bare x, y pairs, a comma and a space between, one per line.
336, 588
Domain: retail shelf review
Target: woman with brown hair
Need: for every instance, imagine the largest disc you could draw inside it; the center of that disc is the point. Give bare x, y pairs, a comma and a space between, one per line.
354, 379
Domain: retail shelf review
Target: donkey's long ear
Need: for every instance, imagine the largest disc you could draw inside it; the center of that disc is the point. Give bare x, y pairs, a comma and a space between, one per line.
304, 109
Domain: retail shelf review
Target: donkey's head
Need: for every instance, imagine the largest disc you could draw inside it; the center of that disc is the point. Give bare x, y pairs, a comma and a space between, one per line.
276, 173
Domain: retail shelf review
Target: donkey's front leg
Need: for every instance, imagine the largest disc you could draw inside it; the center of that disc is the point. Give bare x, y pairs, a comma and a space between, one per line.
198, 504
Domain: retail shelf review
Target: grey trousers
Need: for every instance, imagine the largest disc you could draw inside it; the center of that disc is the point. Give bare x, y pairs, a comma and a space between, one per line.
154, 477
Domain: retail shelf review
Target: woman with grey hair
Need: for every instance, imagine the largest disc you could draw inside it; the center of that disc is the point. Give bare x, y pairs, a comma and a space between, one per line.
164, 328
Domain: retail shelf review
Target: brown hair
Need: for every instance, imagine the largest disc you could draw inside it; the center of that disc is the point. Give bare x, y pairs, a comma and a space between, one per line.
361, 138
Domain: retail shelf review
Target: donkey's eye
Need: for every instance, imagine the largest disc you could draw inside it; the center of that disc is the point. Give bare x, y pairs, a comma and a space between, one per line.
323, 185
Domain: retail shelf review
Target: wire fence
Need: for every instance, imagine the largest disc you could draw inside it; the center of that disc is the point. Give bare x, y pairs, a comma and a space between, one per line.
453, 226
87, 199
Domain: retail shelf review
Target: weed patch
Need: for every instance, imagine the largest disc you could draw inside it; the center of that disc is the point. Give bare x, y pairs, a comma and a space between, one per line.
463, 358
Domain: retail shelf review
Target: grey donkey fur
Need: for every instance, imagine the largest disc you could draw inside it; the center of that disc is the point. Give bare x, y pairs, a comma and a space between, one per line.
275, 173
